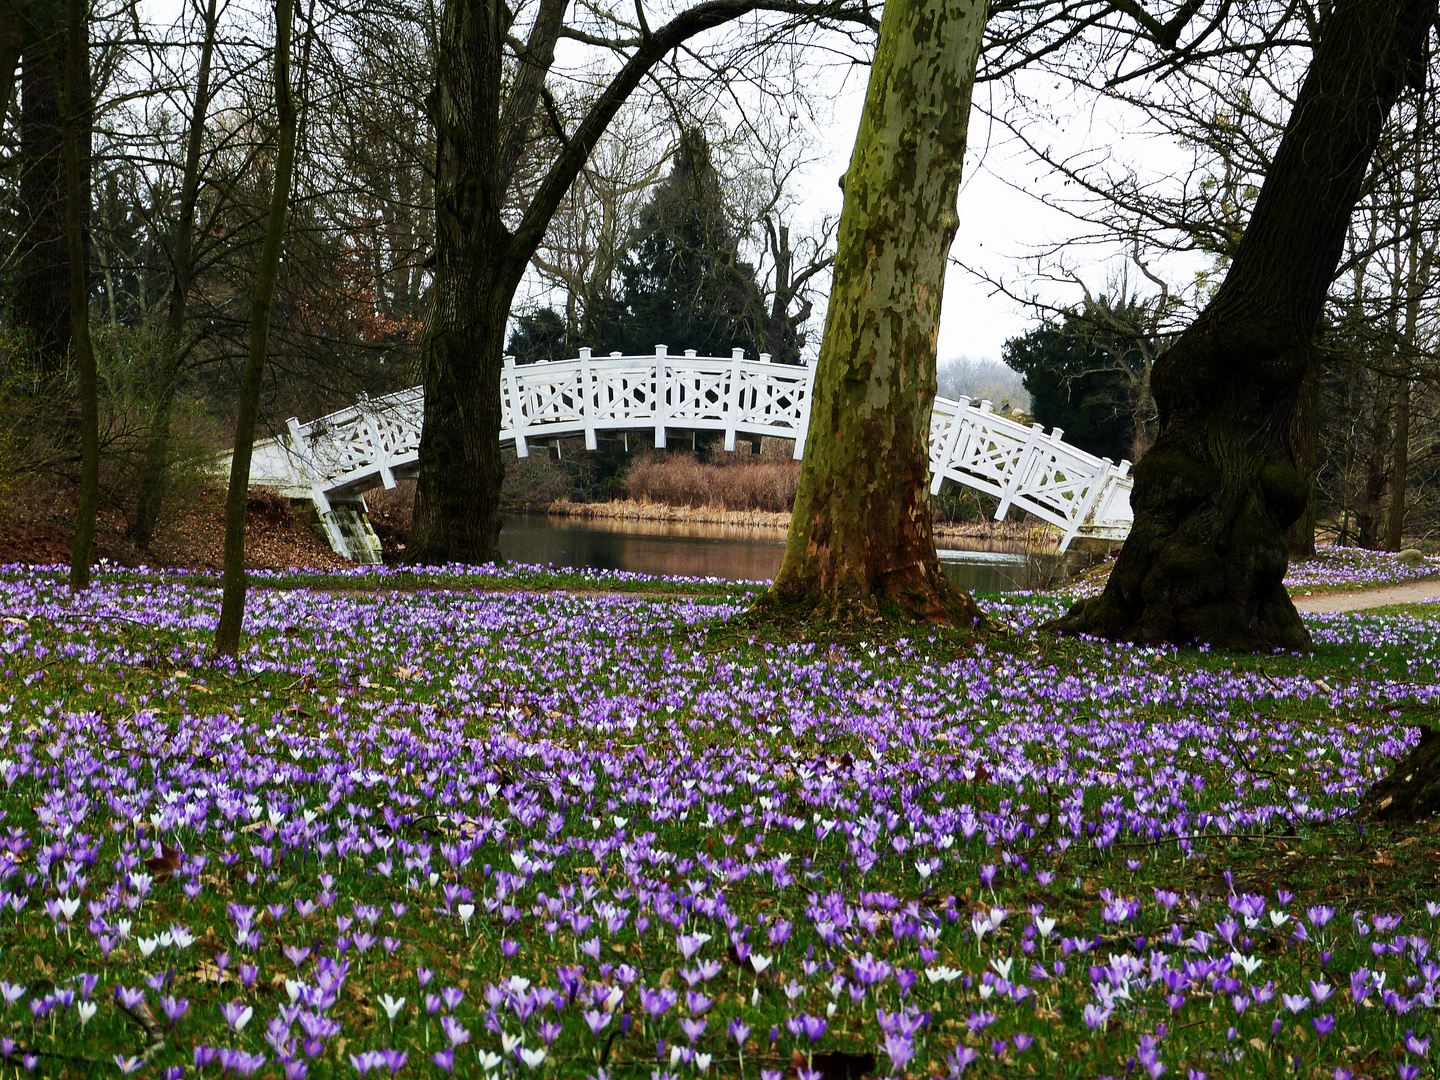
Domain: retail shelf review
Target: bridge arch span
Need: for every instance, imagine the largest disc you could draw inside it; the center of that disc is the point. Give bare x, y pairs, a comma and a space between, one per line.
332, 460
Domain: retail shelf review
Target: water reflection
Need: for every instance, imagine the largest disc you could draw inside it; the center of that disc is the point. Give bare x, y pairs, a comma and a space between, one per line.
700, 550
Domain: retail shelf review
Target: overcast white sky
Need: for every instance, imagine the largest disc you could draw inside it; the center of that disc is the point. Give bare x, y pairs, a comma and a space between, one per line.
1000, 221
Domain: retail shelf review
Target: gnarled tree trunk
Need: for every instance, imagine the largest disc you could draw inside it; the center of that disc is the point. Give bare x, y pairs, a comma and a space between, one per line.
860, 537
1206, 558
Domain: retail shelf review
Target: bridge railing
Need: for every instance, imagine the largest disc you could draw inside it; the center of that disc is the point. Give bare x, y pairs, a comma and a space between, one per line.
348, 451
1029, 467
689, 393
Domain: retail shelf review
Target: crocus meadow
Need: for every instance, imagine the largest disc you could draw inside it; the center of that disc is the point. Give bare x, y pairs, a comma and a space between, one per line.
1333, 569
483, 828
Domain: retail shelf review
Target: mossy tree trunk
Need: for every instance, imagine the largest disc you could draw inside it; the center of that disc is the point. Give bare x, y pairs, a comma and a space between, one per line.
75, 112
150, 490
481, 133
1206, 558
860, 537
232, 602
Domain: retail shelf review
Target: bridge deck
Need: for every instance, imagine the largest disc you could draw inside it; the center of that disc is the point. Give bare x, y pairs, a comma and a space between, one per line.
335, 458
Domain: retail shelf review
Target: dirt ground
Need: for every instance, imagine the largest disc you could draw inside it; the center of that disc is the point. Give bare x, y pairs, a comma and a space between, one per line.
1412, 592
36, 527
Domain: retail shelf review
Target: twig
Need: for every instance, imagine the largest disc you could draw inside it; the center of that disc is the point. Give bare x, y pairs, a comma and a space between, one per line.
142, 1015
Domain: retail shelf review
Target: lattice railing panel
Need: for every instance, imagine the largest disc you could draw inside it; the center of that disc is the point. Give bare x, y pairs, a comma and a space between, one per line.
773, 399
624, 398
696, 394
553, 394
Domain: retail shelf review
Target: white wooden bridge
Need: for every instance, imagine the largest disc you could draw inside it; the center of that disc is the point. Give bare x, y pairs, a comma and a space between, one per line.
332, 461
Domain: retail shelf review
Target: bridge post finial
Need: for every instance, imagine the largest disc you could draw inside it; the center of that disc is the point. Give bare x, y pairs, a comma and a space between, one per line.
944, 456
733, 396
806, 390
1085, 509
1019, 471
511, 399
587, 398
660, 395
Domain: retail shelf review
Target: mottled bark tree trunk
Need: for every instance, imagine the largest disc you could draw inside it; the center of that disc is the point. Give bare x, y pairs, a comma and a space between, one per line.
76, 119
232, 602
154, 470
1206, 558
860, 537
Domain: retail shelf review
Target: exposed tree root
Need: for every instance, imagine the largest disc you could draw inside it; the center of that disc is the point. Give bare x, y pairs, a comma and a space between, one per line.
1411, 790
852, 619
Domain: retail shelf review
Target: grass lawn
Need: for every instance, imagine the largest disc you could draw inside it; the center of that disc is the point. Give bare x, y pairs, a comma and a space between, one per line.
530, 824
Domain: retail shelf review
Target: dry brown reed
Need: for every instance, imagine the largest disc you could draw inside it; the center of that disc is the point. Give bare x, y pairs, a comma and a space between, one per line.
744, 484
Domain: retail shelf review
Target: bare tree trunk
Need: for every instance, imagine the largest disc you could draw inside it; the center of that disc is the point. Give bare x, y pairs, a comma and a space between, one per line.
479, 262
459, 452
860, 538
75, 120
1399, 469
232, 605
150, 493
1206, 558
1377, 475
1421, 255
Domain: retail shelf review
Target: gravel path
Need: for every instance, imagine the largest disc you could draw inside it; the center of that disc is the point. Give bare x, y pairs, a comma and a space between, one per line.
1412, 592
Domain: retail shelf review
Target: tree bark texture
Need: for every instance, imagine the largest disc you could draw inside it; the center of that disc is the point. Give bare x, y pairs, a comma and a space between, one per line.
457, 516
76, 102
42, 289
150, 490
1206, 558
860, 537
1410, 792
479, 262
1305, 443
232, 603
14, 16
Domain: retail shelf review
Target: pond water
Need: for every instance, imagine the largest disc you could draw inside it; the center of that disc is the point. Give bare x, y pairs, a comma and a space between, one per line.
723, 551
